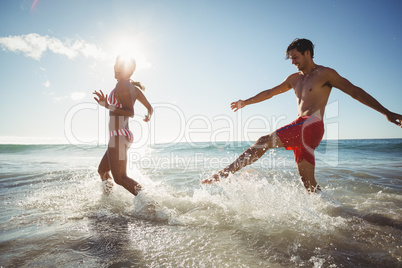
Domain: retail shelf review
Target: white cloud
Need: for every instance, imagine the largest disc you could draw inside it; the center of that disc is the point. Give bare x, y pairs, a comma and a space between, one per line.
77, 96
34, 45
46, 84
57, 99
74, 96
25, 4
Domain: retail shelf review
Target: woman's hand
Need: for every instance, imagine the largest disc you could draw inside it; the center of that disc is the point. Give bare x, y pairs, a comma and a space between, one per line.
102, 99
148, 116
237, 105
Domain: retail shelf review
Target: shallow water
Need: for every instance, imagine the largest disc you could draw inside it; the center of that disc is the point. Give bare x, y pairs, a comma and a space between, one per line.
54, 214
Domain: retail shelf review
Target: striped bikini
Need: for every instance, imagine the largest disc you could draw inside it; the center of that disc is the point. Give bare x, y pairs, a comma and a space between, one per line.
123, 131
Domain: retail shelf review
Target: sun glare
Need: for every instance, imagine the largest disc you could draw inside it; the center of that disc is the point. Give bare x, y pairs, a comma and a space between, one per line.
130, 47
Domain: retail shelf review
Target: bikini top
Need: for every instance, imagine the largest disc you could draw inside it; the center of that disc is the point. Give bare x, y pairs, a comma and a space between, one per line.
113, 101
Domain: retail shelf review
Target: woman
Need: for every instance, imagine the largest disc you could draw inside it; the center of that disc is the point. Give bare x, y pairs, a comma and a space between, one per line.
121, 106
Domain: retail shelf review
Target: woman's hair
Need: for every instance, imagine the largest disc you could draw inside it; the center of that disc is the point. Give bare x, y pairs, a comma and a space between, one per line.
129, 64
138, 84
302, 45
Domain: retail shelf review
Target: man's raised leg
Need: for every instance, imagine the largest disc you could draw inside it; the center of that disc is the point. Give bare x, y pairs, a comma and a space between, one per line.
248, 157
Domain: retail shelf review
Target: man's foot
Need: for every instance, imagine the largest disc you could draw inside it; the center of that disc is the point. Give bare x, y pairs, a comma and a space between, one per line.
107, 186
216, 177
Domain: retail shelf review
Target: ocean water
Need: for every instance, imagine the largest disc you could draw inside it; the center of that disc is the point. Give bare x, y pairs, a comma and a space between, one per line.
54, 213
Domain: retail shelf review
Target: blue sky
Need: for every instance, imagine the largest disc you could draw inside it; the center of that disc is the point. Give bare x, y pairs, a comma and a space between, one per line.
195, 58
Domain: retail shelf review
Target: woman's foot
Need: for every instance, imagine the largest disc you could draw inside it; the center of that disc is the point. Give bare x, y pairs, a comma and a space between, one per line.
137, 189
107, 186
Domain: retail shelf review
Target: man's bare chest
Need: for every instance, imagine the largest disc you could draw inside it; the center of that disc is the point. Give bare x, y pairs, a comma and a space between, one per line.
311, 86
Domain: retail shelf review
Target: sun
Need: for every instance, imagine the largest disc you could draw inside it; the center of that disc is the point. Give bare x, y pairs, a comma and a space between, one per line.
130, 47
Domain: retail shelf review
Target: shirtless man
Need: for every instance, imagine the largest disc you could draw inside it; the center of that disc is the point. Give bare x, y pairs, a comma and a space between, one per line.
312, 85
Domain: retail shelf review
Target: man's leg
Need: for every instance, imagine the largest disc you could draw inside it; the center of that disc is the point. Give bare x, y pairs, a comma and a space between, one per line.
249, 156
306, 172
117, 155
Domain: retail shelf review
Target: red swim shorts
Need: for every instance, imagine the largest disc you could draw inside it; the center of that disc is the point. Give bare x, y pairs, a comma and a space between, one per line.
302, 136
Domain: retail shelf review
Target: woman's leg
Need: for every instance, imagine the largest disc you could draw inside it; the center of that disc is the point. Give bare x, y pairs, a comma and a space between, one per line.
117, 156
104, 167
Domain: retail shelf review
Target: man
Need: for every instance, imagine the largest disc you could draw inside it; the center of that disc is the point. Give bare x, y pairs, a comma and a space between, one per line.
312, 85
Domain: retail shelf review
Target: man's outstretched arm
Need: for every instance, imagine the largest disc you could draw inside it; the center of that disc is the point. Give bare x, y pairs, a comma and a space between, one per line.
262, 96
362, 96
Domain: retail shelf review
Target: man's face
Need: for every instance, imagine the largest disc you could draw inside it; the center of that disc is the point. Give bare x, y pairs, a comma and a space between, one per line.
299, 60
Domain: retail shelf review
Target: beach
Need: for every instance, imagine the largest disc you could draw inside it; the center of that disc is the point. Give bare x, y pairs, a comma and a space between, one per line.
55, 214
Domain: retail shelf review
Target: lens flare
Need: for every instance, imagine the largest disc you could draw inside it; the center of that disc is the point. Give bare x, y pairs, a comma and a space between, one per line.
33, 5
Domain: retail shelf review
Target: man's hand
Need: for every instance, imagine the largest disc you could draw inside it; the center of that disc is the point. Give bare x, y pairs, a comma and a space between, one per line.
394, 118
237, 105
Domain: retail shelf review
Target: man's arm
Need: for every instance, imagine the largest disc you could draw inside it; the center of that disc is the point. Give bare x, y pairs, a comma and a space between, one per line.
362, 96
264, 95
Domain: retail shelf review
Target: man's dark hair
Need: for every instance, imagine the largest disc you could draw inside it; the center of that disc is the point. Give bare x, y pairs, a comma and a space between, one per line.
302, 45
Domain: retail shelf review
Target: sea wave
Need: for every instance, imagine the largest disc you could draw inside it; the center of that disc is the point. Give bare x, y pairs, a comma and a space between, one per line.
52, 205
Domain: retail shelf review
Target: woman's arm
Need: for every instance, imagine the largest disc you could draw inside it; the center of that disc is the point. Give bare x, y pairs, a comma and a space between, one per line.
144, 101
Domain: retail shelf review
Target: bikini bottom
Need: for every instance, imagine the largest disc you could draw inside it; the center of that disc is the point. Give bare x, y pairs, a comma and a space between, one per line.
123, 132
